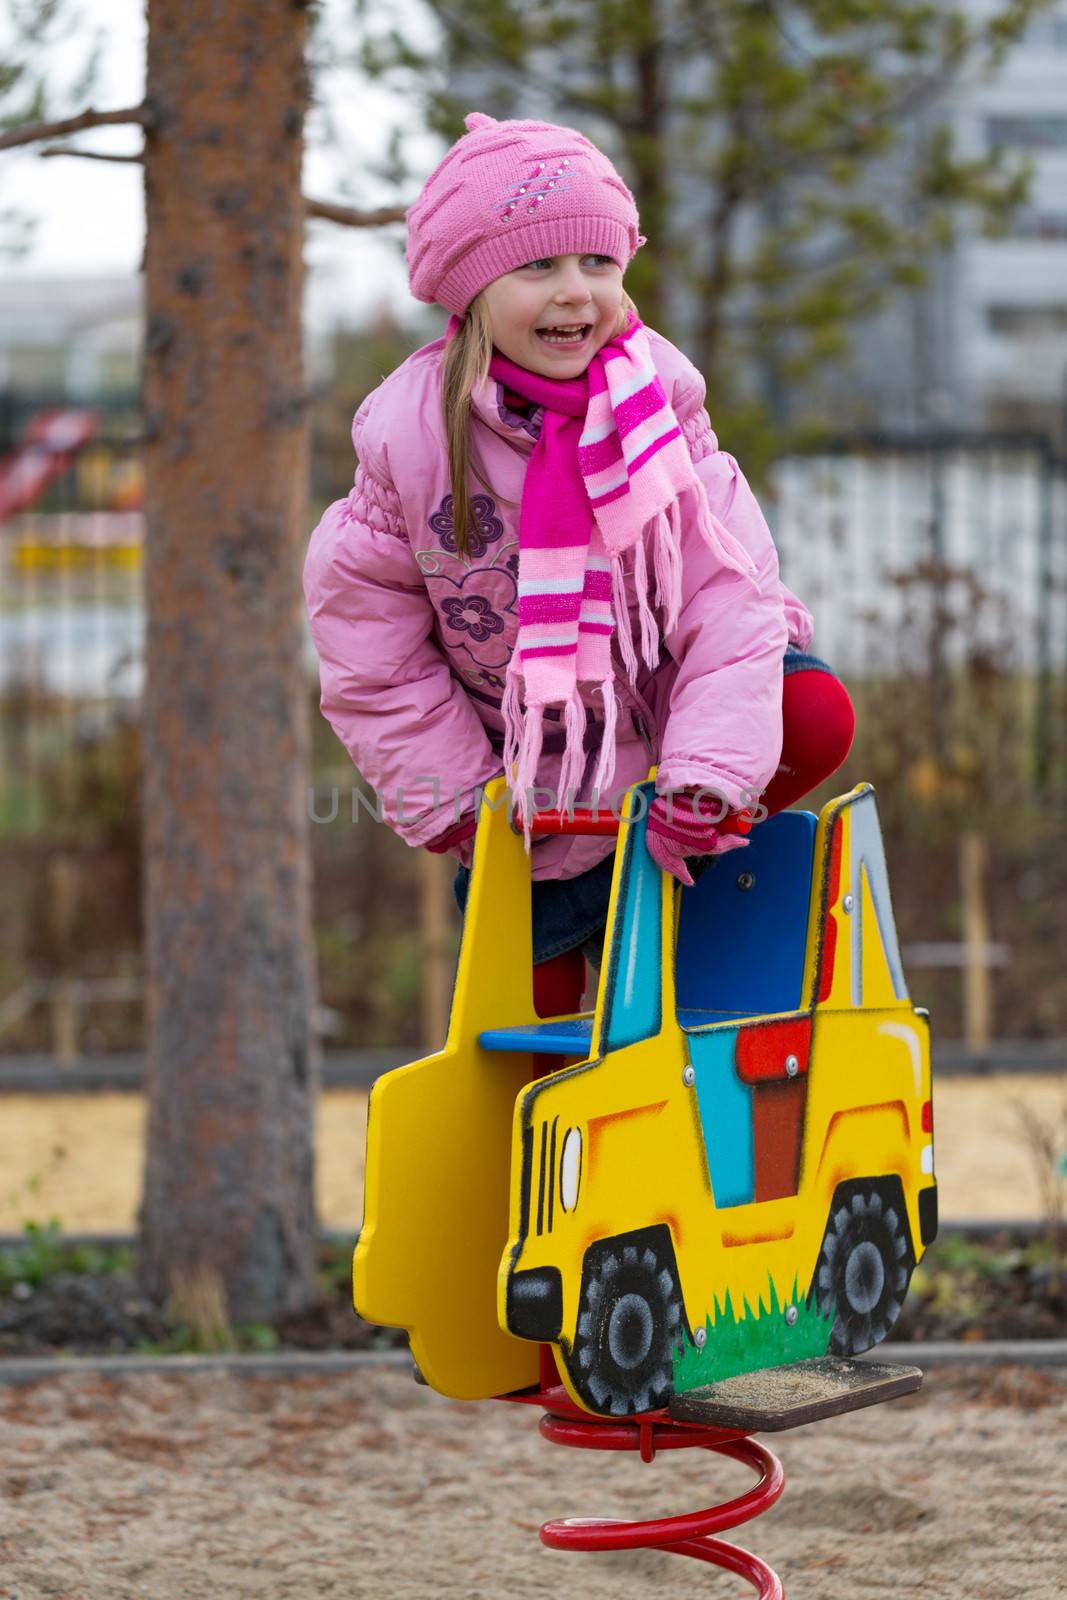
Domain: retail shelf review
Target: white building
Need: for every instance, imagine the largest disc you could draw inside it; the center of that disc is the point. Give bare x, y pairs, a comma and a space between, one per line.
1012, 292
77, 337
985, 345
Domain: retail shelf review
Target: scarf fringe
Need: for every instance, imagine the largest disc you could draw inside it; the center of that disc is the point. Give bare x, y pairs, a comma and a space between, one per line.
729, 550
572, 767
622, 618
649, 630
525, 773
668, 565
511, 709
524, 738
605, 767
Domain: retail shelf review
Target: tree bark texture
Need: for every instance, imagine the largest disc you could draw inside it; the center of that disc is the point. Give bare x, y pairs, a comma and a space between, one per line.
230, 967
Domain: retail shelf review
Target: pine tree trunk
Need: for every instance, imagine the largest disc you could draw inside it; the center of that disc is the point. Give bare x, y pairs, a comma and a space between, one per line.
231, 1056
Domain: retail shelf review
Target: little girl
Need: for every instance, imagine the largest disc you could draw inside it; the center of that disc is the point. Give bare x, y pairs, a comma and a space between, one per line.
612, 598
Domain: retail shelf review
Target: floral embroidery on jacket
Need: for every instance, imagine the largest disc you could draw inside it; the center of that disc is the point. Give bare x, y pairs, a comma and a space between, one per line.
478, 615
474, 616
489, 527
475, 597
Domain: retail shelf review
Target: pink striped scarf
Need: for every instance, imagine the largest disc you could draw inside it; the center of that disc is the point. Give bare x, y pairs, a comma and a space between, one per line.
610, 459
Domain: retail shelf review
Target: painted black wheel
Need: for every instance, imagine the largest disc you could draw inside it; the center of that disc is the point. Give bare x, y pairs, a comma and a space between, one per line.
630, 1324
865, 1264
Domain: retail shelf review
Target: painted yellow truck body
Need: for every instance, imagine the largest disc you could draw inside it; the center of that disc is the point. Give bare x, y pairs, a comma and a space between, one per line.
727, 1170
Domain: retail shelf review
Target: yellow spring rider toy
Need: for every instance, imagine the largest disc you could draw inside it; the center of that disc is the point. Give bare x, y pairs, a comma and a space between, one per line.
687, 1228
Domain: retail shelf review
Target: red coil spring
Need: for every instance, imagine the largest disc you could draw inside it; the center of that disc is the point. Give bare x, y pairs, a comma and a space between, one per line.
687, 1535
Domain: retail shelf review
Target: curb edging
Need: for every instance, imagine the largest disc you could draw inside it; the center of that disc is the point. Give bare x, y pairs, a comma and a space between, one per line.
1041, 1353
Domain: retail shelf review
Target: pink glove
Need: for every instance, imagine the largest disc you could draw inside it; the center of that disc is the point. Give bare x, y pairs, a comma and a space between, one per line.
686, 832
457, 841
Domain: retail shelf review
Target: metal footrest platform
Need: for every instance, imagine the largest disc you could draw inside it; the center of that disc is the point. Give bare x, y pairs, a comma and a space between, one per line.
785, 1397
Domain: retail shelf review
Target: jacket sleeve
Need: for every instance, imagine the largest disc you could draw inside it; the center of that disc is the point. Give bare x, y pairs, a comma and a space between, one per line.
723, 728
799, 620
387, 690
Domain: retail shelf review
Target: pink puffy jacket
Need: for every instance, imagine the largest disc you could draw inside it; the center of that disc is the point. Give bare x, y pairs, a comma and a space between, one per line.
414, 640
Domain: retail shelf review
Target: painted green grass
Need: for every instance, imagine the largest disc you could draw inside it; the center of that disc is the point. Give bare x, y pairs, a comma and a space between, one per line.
759, 1337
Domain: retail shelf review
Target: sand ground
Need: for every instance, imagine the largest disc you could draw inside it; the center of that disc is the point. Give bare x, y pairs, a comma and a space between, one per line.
364, 1485
78, 1158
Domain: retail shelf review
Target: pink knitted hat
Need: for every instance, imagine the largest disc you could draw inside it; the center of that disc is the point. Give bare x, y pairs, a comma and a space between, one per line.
507, 193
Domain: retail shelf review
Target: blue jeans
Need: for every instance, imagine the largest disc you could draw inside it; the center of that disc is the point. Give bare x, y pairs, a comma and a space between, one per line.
572, 913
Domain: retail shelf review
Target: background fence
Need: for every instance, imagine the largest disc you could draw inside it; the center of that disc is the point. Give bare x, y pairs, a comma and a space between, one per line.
71, 616
942, 557
937, 574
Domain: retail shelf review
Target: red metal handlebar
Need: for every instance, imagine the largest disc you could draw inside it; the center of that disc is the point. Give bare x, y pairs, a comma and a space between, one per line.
584, 820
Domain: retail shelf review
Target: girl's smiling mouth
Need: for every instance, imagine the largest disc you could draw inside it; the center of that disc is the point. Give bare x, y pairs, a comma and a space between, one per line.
565, 336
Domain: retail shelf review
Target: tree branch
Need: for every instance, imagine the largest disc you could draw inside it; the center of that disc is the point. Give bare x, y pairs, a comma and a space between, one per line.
916, 93
87, 155
32, 132
351, 217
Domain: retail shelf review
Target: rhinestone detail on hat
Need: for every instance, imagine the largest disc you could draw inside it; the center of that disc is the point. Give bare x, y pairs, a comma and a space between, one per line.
558, 182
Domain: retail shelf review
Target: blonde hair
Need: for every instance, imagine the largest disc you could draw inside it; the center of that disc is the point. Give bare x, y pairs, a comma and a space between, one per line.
467, 359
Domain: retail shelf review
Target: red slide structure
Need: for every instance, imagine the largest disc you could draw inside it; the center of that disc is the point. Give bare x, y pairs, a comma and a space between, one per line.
48, 446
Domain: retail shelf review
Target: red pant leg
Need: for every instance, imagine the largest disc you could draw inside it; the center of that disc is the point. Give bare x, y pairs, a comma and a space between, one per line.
818, 726
558, 986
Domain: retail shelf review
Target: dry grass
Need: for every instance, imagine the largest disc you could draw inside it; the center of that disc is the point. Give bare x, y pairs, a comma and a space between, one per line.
78, 1157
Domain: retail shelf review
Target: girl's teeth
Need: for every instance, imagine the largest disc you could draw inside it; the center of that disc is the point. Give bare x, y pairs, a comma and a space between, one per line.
563, 338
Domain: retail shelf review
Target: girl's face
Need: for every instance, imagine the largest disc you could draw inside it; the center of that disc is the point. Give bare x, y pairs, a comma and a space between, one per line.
555, 293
